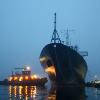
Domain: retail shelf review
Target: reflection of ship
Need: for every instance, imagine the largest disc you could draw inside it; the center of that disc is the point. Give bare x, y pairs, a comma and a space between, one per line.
70, 93
63, 63
24, 78
66, 93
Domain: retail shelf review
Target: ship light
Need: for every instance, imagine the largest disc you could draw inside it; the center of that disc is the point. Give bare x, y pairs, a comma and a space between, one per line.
15, 78
50, 70
26, 77
10, 78
34, 77
27, 68
21, 78
43, 59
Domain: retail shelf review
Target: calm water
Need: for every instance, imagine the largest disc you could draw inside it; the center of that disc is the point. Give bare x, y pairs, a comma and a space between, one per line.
37, 93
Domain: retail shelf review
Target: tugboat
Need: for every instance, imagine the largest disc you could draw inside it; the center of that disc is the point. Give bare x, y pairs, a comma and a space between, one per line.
63, 63
24, 78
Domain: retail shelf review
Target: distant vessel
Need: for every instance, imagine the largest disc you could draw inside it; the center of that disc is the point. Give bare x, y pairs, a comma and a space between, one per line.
63, 63
24, 78
94, 83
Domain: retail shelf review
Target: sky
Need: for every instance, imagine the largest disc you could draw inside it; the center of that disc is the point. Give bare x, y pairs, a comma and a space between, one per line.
26, 26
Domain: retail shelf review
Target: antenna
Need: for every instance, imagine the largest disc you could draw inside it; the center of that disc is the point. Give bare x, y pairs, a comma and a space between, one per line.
55, 21
67, 36
55, 36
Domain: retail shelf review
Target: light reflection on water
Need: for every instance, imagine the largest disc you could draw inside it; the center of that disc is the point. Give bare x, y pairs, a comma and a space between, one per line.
26, 93
44, 93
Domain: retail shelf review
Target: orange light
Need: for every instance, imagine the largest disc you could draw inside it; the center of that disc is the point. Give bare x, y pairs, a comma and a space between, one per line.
15, 78
35, 76
21, 78
32, 77
50, 70
10, 78
15, 91
26, 77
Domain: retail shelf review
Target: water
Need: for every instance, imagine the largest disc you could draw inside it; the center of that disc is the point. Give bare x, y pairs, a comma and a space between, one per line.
44, 93
24, 93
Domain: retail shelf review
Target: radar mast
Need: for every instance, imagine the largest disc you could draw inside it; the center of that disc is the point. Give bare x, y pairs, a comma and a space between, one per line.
55, 35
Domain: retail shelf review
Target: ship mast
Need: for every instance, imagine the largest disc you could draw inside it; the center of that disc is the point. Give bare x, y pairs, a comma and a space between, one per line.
67, 37
55, 35
68, 42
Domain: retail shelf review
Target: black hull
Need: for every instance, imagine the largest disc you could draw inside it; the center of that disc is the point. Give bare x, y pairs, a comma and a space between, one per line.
69, 65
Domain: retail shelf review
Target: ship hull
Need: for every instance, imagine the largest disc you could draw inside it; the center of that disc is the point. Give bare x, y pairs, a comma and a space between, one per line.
63, 64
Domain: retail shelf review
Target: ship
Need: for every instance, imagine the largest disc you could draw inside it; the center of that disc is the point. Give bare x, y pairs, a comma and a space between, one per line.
63, 63
24, 78
93, 83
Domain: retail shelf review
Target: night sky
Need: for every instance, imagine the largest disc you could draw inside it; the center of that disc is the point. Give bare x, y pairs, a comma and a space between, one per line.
26, 26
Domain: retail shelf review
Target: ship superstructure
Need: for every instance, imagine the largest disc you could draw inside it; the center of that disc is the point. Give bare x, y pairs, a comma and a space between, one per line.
25, 74
24, 77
